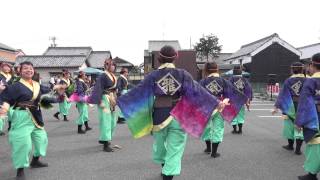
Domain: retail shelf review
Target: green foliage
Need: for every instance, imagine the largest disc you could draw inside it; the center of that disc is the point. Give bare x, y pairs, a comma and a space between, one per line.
208, 46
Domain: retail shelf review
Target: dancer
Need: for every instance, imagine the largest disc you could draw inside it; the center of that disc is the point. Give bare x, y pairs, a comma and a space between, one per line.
64, 106
243, 86
122, 88
220, 88
82, 106
287, 102
167, 101
104, 94
5, 80
308, 118
27, 123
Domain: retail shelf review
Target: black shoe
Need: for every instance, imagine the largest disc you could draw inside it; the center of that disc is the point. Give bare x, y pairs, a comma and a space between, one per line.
65, 118
20, 174
102, 142
2, 133
35, 163
56, 115
240, 129
308, 177
87, 126
165, 177
107, 148
288, 147
121, 121
216, 155
298, 147
80, 131
234, 131
208, 149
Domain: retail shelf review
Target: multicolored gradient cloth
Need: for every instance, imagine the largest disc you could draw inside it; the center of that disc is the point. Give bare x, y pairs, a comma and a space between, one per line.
285, 103
192, 111
307, 114
237, 100
136, 107
76, 98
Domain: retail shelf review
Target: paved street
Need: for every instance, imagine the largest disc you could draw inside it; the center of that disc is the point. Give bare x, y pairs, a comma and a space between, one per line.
255, 155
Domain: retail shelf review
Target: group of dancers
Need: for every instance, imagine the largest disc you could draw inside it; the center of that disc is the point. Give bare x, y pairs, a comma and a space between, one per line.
168, 104
22, 98
299, 102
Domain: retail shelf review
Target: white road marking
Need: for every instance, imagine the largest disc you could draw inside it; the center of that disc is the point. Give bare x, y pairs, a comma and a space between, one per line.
261, 104
269, 116
261, 110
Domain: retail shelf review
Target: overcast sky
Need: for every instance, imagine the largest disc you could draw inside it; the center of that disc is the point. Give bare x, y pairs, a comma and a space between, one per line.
125, 26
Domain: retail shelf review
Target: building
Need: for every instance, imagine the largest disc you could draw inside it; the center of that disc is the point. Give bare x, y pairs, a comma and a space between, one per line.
219, 59
121, 63
9, 54
96, 59
50, 65
186, 59
54, 59
154, 46
308, 51
269, 55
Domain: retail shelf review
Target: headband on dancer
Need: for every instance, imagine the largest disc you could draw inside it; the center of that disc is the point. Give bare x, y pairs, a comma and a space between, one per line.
295, 66
168, 57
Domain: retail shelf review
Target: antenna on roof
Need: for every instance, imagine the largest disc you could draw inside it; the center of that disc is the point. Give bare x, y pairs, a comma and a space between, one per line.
53, 39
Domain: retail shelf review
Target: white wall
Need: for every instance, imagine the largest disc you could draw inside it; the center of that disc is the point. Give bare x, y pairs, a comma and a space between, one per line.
308, 52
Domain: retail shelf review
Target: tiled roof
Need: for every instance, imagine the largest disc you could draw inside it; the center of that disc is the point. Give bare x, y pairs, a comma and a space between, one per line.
97, 58
61, 51
3, 59
122, 62
157, 45
53, 61
219, 60
5, 47
249, 48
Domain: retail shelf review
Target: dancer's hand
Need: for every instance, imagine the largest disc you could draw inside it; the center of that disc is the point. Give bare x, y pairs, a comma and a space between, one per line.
274, 111
222, 104
2, 86
248, 105
4, 109
298, 128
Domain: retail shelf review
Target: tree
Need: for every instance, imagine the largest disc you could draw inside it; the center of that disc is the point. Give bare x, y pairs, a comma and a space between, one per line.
208, 46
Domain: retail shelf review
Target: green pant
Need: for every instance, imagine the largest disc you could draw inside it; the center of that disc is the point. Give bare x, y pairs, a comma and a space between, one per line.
290, 132
10, 113
22, 135
214, 129
83, 111
1, 124
239, 119
312, 155
168, 148
107, 121
64, 107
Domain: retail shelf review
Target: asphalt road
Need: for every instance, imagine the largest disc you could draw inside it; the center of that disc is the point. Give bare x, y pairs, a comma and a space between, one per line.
255, 155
